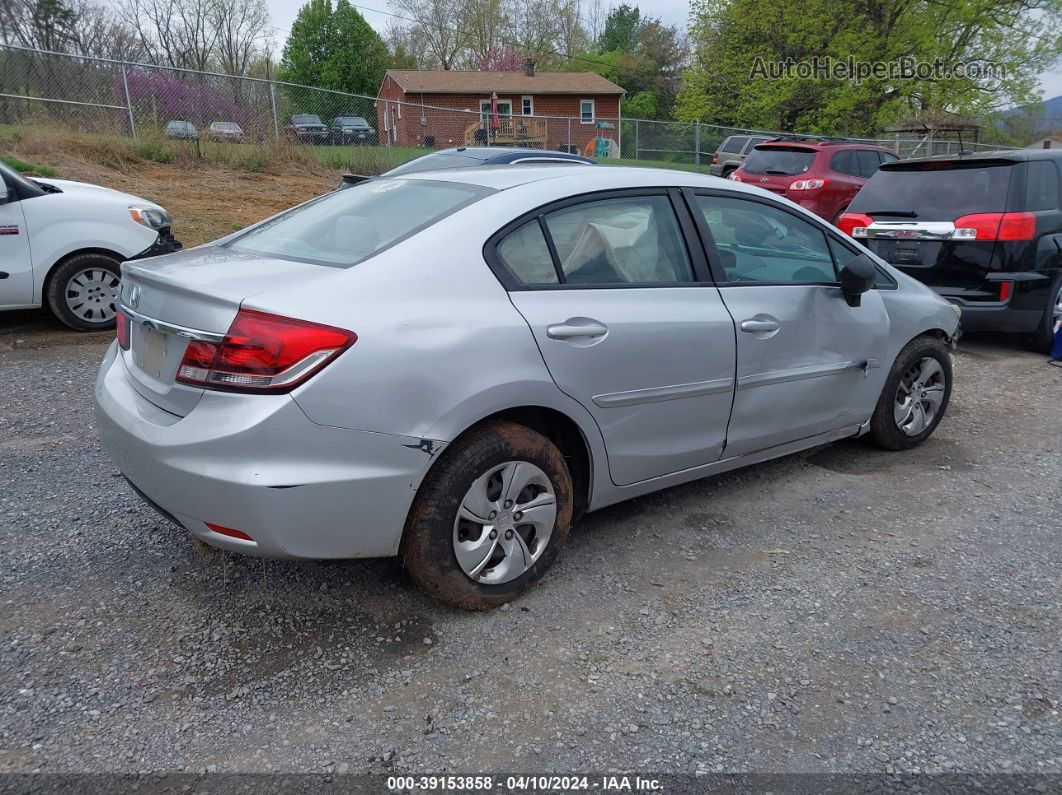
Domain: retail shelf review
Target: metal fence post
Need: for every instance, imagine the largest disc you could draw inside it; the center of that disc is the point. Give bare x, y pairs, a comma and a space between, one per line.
569, 144
637, 144
273, 102
697, 146
128, 102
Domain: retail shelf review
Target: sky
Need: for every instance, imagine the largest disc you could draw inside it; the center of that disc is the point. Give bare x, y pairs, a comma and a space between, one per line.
672, 12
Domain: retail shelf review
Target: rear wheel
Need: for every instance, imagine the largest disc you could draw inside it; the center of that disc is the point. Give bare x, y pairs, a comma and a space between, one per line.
915, 396
490, 517
83, 291
727, 171
1043, 338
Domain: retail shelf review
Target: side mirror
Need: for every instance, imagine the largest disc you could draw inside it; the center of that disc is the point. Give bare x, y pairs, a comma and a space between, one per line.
5, 191
857, 277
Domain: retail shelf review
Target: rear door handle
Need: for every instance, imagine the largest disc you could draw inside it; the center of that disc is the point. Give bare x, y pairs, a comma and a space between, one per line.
759, 325
574, 328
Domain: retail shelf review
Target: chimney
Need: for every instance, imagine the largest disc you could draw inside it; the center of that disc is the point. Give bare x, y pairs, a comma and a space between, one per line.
529, 67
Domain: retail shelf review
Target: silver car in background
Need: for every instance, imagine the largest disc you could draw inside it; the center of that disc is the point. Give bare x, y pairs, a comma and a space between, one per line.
452, 367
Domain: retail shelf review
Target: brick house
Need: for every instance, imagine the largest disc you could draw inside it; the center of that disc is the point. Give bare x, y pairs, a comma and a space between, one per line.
542, 110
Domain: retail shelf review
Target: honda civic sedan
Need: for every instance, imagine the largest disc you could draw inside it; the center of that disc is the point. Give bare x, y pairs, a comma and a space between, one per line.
452, 368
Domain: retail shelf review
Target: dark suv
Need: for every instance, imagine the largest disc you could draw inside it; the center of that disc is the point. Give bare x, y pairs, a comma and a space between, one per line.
352, 130
823, 176
983, 230
306, 128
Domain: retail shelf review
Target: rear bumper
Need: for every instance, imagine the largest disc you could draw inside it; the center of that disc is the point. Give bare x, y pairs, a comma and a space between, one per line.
978, 316
257, 464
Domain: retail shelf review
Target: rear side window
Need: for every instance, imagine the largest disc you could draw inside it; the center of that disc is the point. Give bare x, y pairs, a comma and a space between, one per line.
868, 162
620, 241
345, 227
526, 253
844, 162
779, 161
735, 143
1041, 186
935, 191
761, 243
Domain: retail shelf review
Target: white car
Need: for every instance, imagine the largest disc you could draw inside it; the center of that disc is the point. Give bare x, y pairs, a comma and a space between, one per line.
62, 244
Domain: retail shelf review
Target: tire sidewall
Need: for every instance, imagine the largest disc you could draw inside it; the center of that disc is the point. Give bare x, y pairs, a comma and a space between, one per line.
60, 278
883, 424
427, 543
1043, 338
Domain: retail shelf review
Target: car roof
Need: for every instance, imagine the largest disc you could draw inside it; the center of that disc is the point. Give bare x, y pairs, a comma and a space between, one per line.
503, 177
1009, 155
498, 153
819, 144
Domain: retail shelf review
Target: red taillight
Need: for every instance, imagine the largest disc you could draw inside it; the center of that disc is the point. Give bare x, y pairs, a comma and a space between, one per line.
809, 184
715, 158
854, 224
121, 327
1005, 289
996, 226
735, 176
263, 353
228, 531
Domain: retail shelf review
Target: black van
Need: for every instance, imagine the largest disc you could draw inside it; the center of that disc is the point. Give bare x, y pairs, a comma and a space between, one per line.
984, 230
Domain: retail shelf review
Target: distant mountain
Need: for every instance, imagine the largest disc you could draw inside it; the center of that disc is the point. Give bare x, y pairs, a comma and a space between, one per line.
1049, 118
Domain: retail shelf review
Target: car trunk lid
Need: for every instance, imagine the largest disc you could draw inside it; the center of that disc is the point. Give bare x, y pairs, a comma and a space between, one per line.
196, 294
775, 167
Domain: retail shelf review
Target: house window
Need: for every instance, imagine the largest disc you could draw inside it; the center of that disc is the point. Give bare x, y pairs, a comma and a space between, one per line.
586, 111
527, 106
505, 109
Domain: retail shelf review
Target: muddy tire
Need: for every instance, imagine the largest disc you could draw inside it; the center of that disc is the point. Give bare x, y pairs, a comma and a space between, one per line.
915, 396
489, 518
1042, 340
83, 291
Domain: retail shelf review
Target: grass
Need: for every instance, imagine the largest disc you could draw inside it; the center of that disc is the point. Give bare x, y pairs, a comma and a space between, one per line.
27, 168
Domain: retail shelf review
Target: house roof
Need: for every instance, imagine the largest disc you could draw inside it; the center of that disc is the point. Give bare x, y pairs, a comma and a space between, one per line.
455, 82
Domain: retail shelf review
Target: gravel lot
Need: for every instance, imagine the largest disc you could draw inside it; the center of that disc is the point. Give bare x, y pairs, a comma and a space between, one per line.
839, 610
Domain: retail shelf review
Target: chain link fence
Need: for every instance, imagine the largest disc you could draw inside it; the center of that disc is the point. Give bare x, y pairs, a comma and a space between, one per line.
207, 110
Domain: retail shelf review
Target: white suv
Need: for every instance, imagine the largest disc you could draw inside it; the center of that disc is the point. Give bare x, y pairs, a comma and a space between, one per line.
62, 244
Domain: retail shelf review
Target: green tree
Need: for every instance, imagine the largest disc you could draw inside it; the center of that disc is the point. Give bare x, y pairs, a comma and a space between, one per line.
334, 48
723, 85
621, 29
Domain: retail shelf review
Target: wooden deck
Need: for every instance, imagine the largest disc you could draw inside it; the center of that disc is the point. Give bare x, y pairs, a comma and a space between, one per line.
512, 131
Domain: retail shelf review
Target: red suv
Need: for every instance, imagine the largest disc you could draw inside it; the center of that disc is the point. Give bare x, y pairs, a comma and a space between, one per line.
823, 176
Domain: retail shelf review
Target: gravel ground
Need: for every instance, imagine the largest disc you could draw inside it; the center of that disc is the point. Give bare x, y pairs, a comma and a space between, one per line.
839, 610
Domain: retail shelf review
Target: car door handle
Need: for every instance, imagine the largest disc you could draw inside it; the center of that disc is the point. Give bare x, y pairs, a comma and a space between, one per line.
575, 328
758, 325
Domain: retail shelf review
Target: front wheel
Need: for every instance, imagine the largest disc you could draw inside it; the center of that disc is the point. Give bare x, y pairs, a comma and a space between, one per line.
490, 517
83, 291
915, 396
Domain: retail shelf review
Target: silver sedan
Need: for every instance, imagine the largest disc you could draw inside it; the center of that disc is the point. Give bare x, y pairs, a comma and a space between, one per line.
454, 367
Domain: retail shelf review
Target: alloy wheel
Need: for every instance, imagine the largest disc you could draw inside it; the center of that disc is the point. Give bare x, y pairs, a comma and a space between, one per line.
919, 396
504, 522
92, 295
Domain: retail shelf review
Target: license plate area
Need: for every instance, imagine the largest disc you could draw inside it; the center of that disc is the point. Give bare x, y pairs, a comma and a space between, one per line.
149, 351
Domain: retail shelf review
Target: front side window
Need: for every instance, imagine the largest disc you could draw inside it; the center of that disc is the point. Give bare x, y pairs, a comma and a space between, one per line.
345, 227
586, 111
761, 243
620, 241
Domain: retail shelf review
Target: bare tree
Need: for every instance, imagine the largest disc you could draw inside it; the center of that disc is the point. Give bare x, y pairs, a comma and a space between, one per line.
533, 27
434, 22
241, 31
484, 23
572, 36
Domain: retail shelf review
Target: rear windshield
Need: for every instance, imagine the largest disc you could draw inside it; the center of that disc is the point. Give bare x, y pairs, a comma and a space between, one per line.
343, 228
930, 192
775, 160
432, 162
